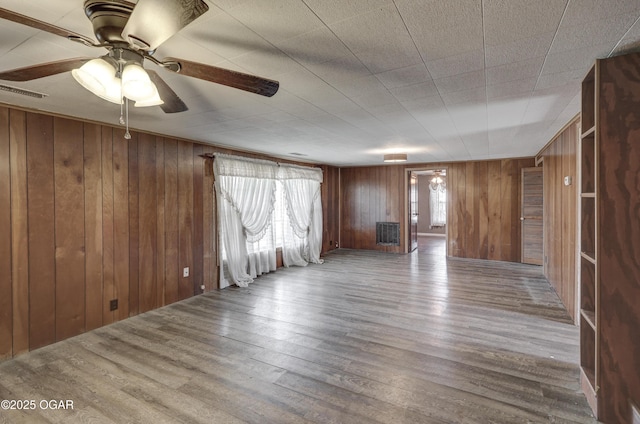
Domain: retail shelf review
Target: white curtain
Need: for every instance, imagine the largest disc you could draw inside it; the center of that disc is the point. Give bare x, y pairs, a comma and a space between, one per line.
438, 204
246, 196
302, 220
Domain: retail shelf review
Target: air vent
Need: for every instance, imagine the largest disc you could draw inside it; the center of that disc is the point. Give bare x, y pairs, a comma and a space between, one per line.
22, 91
388, 233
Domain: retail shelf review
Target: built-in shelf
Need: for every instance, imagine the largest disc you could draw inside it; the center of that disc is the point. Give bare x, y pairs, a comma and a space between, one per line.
588, 132
589, 285
588, 256
590, 317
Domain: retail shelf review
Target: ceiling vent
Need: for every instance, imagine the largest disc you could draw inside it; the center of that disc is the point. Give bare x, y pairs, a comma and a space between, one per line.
22, 91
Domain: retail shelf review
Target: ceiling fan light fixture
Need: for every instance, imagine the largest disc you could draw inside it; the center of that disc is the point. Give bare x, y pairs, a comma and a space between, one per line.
154, 100
96, 76
136, 84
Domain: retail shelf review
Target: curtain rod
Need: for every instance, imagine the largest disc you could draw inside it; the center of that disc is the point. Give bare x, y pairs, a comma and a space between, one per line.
213, 156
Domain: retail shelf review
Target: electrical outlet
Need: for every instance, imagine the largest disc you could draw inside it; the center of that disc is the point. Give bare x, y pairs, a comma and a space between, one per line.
113, 304
185, 271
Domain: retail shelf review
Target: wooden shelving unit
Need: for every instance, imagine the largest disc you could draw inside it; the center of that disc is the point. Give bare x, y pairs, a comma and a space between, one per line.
588, 241
609, 160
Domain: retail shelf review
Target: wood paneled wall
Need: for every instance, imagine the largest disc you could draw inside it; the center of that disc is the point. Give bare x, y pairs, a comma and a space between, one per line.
86, 217
369, 195
484, 209
483, 206
560, 215
330, 208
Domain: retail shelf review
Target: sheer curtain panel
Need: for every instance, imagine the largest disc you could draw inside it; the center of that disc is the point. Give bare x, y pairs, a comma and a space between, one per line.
246, 196
302, 220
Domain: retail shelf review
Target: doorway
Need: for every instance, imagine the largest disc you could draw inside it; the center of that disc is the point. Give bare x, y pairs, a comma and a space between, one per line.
427, 210
531, 216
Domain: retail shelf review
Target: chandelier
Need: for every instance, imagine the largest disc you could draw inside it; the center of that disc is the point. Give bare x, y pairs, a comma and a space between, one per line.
438, 181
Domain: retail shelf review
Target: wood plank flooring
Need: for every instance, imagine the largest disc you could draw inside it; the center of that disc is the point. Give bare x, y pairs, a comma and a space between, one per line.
365, 337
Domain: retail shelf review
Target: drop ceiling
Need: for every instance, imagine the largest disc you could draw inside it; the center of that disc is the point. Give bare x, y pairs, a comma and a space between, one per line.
440, 80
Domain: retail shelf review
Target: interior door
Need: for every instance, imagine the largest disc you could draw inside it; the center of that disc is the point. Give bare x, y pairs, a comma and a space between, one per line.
413, 212
531, 216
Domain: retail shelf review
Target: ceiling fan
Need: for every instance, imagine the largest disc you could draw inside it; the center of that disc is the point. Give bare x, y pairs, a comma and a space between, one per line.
131, 33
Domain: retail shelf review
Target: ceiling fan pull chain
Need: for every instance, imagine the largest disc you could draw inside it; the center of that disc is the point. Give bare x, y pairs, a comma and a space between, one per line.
127, 136
121, 120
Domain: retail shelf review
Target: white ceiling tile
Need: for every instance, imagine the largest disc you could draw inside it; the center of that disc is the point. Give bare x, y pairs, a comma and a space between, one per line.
402, 77
606, 31
459, 82
276, 19
443, 28
393, 48
589, 11
518, 50
630, 42
514, 71
457, 64
416, 91
510, 20
331, 11
359, 86
315, 47
471, 96
511, 88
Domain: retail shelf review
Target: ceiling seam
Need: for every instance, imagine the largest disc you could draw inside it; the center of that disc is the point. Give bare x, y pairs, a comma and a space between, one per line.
555, 34
486, 77
623, 36
424, 62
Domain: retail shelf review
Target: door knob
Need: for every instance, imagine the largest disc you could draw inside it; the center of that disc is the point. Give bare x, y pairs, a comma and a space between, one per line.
522, 218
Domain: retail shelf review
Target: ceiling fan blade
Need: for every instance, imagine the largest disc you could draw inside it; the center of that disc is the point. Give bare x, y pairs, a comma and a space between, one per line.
172, 103
152, 22
29, 73
43, 26
246, 82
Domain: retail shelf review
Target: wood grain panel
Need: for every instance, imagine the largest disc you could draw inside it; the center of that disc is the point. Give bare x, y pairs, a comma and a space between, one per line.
19, 231
209, 231
172, 236
42, 246
494, 193
508, 201
482, 212
198, 213
185, 218
121, 223
160, 207
6, 300
457, 221
147, 290
471, 212
134, 225
69, 211
93, 225
619, 236
108, 271
330, 206
560, 216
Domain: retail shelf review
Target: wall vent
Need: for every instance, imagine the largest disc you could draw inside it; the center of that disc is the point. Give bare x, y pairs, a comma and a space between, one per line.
22, 91
388, 233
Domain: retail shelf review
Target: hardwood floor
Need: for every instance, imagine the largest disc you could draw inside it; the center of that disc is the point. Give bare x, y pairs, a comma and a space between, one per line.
366, 337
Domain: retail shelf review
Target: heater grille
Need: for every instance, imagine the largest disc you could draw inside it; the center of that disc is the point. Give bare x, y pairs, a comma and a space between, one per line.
388, 233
